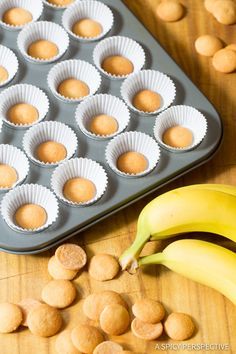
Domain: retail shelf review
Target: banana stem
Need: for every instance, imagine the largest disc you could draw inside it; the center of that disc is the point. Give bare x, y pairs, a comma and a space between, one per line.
157, 258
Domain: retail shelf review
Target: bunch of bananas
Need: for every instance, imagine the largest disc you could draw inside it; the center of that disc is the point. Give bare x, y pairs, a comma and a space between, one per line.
204, 208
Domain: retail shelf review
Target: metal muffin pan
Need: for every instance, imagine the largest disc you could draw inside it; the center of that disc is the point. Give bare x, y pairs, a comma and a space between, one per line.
121, 191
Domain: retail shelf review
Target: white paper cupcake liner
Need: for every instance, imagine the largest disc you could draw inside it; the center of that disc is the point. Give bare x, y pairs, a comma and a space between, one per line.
9, 61
77, 69
102, 104
79, 167
49, 131
91, 9
23, 93
29, 194
14, 157
132, 141
119, 45
149, 80
43, 30
35, 8
56, 7
185, 116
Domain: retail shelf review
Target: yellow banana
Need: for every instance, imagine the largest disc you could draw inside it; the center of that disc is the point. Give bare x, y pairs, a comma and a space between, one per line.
204, 208
201, 261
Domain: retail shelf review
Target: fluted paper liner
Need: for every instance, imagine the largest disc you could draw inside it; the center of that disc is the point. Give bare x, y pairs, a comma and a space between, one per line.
119, 45
43, 30
57, 7
23, 93
102, 104
34, 7
83, 168
132, 141
29, 194
77, 69
185, 116
91, 9
14, 157
49, 131
9, 61
149, 80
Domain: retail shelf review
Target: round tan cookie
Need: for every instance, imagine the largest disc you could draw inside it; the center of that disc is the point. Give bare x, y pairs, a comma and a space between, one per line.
146, 331
43, 49
117, 65
108, 347
3, 74
225, 12
87, 28
208, 45
71, 256
114, 319
50, 152
179, 326
30, 216
132, 162
147, 101
209, 5
59, 293
73, 88
64, 344
178, 137
61, 2
44, 320
26, 306
103, 125
10, 317
224, 61
86, 338
148, 310
8, 176
22, 113
57, 271
231, 46
79, 190
17, 16
94, 304
170, 10
103, 267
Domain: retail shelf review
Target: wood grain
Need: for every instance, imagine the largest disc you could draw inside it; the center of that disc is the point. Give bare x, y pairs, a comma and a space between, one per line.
24, 276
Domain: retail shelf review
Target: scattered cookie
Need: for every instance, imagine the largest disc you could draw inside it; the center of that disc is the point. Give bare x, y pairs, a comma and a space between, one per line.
208, 45
108, 347
170, 10
22, 114
59, 293
94, 304
79, 190
43, 49
147, 101
3, 74
103, 125
103, 267
132, 162
146, 331
148, 310
224, 61
71, 256
178, 137
64, 344
17, 16
86, 338
57, 271
87, 28
73, 88
117, 65
50, 152
10, 317
114, 319
44, 320
179, 326
26, 306
8, 176
209, 5
30, 216
225, 12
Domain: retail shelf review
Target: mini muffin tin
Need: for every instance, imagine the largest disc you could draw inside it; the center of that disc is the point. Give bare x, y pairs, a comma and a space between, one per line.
121, 191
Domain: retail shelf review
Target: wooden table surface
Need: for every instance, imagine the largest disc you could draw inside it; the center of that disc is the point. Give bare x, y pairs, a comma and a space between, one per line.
24, 276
